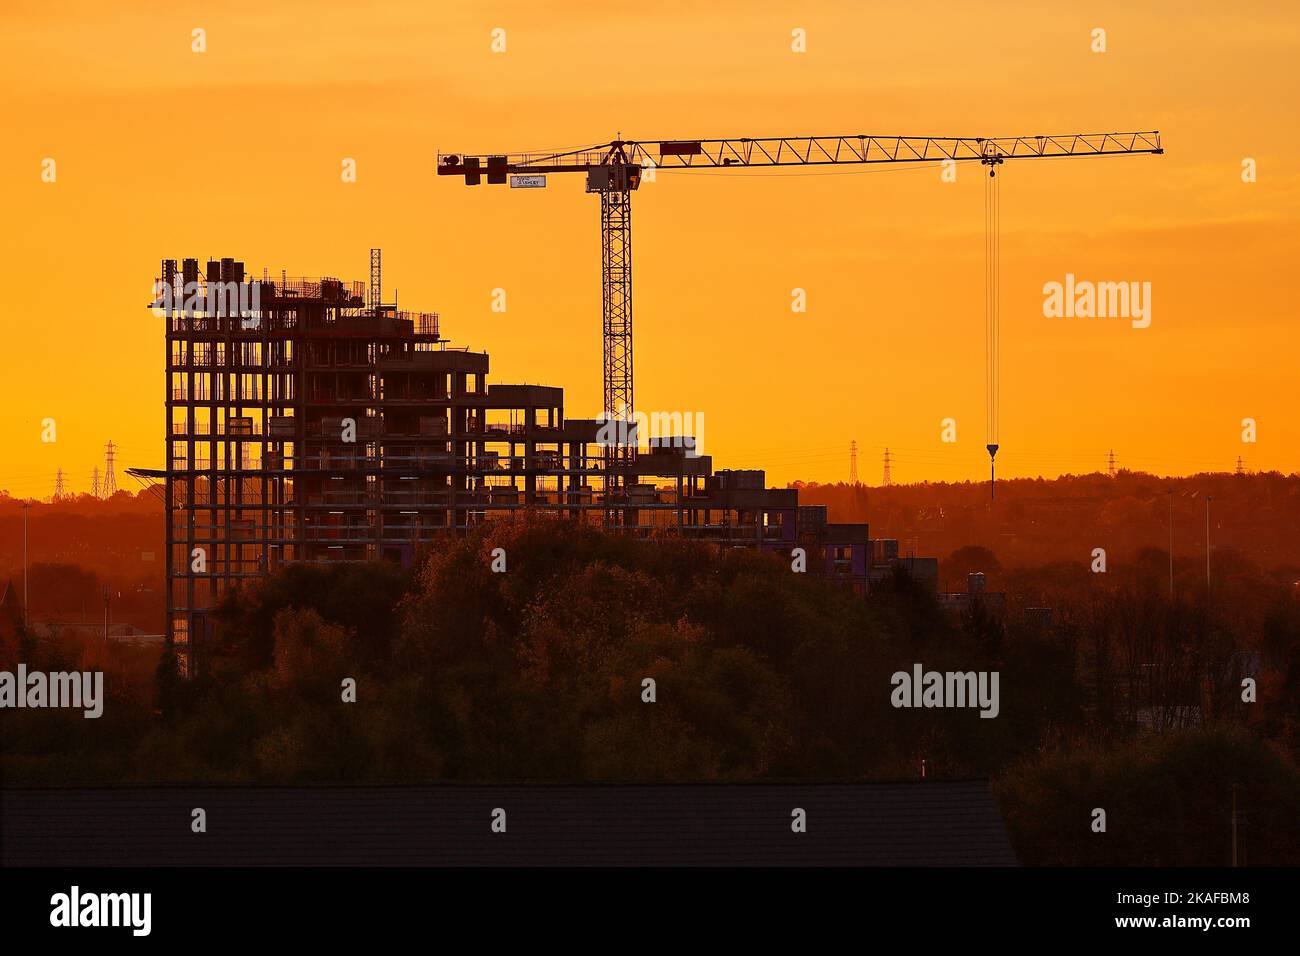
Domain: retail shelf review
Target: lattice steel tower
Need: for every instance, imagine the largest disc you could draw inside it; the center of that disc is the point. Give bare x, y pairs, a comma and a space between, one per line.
110, 480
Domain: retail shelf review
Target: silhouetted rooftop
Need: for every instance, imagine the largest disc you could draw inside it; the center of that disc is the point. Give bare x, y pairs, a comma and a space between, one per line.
877, 824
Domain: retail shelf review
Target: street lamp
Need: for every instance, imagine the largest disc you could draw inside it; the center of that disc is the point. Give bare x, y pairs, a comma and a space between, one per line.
26, 506
1208, 499
1171, 545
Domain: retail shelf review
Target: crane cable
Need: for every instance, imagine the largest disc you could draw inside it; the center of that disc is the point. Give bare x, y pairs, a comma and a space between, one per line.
992, 309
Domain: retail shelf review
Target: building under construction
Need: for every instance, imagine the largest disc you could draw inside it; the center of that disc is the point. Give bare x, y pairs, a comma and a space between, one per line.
309, 421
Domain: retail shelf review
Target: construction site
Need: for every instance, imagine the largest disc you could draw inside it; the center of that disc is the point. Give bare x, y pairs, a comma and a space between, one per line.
326, 425
310, 421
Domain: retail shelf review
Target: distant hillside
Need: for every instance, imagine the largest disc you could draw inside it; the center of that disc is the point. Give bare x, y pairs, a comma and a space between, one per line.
76, 546
1040, 521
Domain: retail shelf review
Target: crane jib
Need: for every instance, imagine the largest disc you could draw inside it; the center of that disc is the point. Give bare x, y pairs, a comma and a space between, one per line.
794, 151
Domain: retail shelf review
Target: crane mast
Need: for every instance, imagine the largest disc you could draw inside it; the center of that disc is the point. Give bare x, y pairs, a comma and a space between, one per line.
614, 171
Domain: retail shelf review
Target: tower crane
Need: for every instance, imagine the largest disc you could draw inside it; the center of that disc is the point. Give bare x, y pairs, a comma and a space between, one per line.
614, 171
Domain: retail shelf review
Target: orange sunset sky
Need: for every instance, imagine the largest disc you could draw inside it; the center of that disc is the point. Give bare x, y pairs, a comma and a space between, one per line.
163, 152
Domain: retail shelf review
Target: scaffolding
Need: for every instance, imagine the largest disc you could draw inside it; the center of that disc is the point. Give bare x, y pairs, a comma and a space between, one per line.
309, 422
